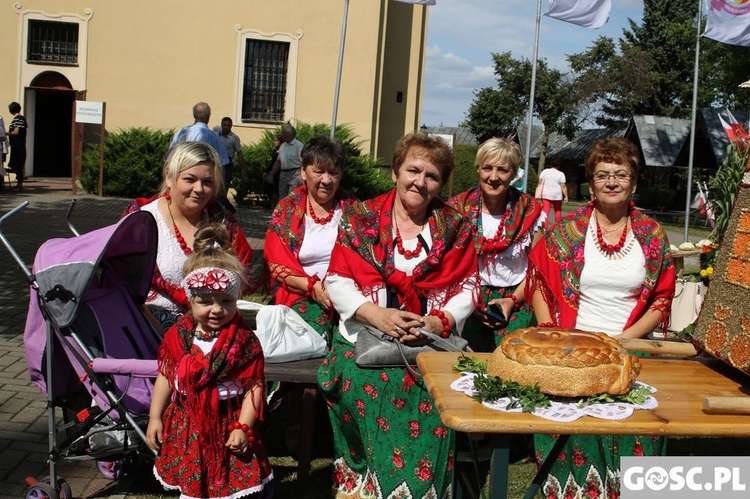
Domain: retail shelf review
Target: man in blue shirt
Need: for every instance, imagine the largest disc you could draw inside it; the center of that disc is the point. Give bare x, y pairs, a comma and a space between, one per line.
199, 132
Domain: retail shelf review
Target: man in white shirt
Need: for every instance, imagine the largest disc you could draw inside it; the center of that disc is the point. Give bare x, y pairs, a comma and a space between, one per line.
288, 163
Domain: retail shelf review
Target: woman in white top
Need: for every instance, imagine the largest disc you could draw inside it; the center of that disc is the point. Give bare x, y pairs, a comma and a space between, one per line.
552, 189
505, 225
403, 261
302, 233
186, 202
606, 268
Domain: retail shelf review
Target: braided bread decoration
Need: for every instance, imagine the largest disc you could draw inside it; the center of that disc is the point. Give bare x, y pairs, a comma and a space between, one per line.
563, 362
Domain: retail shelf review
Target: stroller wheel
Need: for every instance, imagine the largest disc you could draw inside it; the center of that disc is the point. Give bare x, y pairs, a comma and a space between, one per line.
44, 490
111, 470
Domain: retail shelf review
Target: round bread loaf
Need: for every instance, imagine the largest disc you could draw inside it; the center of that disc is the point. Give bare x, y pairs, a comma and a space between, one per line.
566, 363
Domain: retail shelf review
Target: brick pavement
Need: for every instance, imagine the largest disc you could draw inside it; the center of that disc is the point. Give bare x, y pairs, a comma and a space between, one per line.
23, 418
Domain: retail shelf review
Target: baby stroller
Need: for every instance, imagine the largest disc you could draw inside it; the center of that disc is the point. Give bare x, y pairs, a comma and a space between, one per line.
89, 348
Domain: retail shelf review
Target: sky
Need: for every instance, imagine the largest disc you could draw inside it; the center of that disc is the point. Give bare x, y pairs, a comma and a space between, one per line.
462, 35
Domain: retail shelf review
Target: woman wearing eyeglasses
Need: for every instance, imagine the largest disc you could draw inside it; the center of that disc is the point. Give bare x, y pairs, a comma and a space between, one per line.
607, 267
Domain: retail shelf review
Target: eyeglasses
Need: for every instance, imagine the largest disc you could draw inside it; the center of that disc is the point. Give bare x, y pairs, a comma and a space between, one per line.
620, 177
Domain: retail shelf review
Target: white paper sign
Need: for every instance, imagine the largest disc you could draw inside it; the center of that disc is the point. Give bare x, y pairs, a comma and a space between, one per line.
447, 137
89, 112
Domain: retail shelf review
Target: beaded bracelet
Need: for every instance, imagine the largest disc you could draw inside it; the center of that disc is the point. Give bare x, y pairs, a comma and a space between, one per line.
546, 324
250, 432
516, 304
311, 280
444, 320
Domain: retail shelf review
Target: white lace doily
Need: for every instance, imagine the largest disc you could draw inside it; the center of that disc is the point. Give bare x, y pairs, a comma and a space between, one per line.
562, 409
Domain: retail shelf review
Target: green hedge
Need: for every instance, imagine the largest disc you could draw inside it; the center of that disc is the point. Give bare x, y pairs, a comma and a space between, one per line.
656, 198
362, 175
133, 162
465, 173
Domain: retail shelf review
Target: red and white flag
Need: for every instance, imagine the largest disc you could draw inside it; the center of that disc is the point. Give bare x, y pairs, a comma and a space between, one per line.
705, 206
419, 2
727, 128
736, 133
587, 13
728, 21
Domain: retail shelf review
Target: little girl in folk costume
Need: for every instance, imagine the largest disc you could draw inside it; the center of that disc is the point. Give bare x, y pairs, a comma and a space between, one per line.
208, 395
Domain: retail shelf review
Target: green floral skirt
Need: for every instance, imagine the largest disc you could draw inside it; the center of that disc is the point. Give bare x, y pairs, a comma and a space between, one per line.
387, 435
589, 465
484, 339
314, 315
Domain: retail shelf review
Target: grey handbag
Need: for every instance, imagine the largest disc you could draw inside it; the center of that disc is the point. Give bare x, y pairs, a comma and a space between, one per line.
374, 348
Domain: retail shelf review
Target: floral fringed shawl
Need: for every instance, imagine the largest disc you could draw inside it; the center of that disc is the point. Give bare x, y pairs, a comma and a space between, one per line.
215, 214
364, 253
524, 212
236, 356
284, 238
555, 267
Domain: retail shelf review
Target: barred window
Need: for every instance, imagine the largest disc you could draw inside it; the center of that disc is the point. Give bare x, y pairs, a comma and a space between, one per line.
52, 42
265, 81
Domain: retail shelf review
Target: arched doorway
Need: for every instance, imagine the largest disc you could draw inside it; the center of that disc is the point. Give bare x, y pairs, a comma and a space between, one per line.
50, 112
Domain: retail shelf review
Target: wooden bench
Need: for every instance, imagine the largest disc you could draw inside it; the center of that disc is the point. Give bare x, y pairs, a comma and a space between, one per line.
305, 373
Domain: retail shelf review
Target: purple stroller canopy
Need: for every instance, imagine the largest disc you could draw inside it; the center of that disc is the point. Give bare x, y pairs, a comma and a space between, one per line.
127, 248
64, 269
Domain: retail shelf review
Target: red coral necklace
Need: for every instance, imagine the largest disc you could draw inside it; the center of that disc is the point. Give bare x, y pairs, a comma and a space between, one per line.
320, 220
497, 242
177, 234
604, 245
408, 254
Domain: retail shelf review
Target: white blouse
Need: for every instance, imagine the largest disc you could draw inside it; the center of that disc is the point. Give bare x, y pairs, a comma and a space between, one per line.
169, 258
507, 268
317, 245
347, 299
610, 286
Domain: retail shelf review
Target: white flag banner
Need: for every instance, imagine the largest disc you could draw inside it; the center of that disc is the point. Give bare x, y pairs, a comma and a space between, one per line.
419, 2
728, 21
587, 13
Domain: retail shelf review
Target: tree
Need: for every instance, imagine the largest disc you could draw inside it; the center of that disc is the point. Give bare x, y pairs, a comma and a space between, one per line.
498, 112
652, 69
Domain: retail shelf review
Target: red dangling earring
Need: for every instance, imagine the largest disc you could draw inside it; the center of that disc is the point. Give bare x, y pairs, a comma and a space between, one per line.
167, 196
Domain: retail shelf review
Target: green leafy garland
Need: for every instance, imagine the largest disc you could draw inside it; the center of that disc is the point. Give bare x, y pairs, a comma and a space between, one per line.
492, 388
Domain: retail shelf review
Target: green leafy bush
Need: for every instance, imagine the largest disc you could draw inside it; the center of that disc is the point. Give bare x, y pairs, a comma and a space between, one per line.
465, 173
723, 189
133, 163
362, 177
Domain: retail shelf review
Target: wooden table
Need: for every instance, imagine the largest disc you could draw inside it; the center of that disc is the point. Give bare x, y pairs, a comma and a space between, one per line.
304, 373
682, 385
